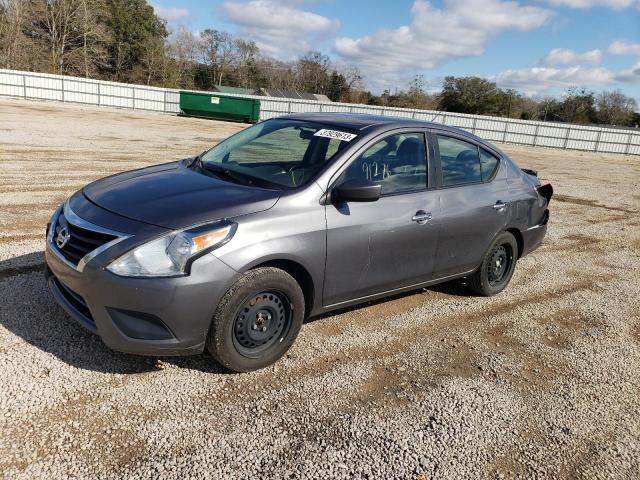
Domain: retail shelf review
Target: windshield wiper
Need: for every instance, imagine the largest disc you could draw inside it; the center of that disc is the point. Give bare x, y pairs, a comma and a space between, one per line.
232, 175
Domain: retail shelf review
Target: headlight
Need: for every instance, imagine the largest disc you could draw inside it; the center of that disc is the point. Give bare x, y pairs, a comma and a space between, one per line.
172, 254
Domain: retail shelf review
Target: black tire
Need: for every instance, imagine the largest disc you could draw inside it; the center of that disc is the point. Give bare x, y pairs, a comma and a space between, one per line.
497, 266
257, 320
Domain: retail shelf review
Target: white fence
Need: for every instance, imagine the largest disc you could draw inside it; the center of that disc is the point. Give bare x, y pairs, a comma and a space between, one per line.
503, 130
92, 92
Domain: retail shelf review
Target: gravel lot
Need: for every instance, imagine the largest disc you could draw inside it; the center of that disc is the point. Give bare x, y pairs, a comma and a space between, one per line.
540, 381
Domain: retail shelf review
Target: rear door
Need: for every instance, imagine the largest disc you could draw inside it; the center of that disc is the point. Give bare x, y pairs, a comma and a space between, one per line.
473, 194
390, 243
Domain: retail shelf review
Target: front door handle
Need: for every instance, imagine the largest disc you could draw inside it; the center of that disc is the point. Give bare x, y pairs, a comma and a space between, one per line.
499, 206
421, 217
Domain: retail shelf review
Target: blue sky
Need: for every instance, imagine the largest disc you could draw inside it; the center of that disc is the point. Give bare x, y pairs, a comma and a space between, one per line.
539, 47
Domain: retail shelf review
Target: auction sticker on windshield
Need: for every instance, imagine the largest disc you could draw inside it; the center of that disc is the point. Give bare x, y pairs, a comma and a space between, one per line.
343, 136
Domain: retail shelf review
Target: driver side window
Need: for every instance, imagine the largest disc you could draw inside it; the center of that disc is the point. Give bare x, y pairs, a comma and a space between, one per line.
397, 162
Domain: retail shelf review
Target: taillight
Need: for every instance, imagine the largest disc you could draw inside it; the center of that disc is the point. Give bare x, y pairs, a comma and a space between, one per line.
546, 191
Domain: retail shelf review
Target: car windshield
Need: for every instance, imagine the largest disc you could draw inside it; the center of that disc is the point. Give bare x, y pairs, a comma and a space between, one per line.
276, 153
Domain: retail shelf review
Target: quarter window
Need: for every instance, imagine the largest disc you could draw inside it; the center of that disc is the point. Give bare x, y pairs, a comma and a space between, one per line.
459, 160
397, 162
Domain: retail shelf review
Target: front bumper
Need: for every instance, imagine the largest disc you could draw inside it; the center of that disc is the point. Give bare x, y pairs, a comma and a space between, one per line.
145, 316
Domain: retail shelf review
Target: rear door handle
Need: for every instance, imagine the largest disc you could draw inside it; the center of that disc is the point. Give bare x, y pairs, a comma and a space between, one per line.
499, 206
421, 217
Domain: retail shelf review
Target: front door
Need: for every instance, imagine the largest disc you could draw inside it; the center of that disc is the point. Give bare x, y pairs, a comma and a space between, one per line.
390, 243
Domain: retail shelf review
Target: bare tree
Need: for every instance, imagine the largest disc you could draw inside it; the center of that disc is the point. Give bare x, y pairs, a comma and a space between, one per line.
313, 72
94, 35
152, 60
273, 73
353, 76
615, 108
210, 46
14, 44
60, 22
246, 52
226, 54
183, 48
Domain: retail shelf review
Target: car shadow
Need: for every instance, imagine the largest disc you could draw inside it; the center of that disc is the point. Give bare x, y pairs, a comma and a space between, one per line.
455, 288
28, 310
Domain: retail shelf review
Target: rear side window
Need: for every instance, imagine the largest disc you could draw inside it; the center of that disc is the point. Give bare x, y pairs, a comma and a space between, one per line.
488, 164
460, 161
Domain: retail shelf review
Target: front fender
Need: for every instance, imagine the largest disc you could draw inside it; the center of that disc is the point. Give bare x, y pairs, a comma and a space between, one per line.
294, 230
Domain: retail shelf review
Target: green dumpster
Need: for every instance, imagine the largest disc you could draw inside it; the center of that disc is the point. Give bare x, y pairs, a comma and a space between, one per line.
219, 107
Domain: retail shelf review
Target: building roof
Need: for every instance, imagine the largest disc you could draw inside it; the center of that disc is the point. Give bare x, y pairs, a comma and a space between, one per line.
276, 92
321, 98
235, 90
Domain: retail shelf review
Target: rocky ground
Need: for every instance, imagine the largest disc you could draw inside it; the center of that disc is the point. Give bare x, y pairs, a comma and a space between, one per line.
540, 381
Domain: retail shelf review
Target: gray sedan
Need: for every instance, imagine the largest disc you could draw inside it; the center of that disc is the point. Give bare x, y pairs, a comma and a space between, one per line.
293, 217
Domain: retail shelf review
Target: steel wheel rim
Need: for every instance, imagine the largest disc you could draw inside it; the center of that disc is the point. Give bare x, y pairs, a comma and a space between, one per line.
262, 321
499, 264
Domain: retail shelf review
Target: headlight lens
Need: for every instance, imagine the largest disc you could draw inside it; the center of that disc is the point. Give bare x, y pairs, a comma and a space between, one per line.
172, 254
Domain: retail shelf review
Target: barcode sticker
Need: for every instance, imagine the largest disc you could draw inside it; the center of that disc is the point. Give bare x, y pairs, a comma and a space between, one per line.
342, 136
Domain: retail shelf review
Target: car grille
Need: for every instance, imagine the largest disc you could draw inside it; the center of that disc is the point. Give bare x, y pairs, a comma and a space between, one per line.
75, 300
81, 241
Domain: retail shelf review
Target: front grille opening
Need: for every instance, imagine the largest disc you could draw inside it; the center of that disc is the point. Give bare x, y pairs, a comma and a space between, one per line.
81, 241
75, 300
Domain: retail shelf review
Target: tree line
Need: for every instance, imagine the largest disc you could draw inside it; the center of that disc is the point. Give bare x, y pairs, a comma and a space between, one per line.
124, 40
577, 105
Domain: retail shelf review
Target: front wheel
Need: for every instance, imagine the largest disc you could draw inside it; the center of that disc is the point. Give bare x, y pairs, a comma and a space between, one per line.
257, 320
497, 266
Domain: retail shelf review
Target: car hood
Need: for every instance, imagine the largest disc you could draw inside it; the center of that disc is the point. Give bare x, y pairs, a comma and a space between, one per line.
174, 196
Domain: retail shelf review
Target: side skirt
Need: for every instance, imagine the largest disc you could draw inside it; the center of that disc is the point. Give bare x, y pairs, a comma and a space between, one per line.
387, 293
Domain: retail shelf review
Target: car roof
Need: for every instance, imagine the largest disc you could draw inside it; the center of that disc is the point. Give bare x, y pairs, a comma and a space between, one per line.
358, 121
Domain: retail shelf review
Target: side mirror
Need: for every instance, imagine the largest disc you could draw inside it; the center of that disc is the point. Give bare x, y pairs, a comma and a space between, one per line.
357, 190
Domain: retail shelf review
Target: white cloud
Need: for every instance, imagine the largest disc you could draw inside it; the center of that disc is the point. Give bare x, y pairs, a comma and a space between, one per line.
461, 28
534, 80
562, 56
624, 48
562, 68
615, 4
631, 75
279, 28
171, 14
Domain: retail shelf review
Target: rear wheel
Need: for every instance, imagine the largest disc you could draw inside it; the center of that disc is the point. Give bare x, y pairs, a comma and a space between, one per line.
497, 266
257, 320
